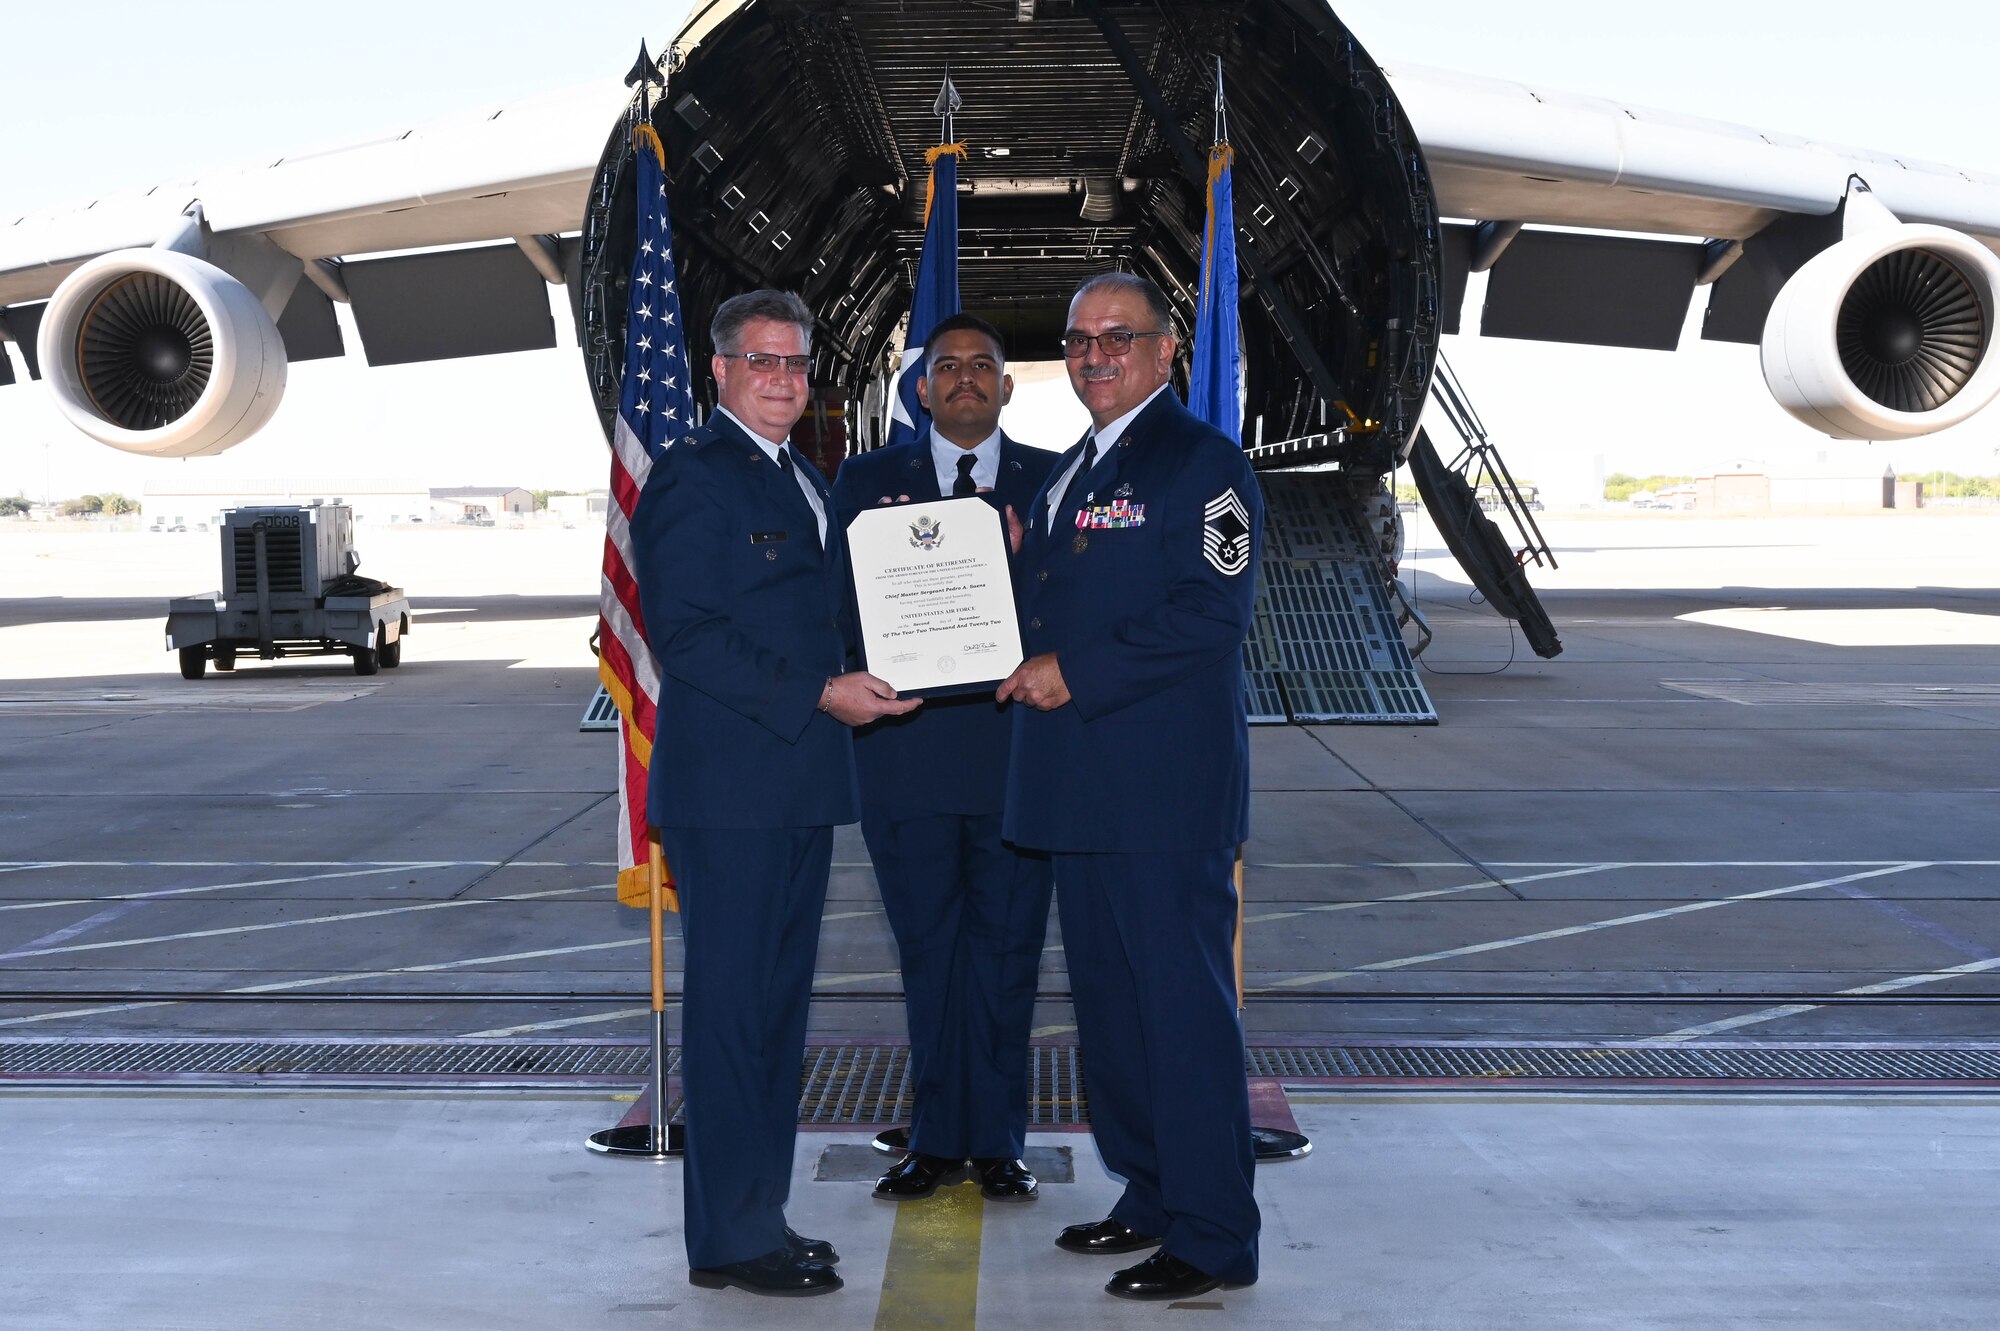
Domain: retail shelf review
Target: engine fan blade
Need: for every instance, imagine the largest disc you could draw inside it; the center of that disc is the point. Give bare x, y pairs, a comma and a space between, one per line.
1911, 331
145, 352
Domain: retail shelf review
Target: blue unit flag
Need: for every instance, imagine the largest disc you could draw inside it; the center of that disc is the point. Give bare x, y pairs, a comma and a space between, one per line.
936, 296
1213, 387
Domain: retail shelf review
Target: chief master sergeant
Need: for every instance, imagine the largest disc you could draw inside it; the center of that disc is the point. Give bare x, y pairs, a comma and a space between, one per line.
969, 911
1131, 765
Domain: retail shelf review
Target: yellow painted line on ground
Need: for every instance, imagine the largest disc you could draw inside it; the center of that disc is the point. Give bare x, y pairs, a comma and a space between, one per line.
931, 1281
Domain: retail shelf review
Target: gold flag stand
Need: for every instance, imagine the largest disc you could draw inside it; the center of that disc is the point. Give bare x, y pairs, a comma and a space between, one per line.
656, 1138
1269, 1144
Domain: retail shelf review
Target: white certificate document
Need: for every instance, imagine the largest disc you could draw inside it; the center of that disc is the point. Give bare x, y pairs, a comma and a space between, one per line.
935, 595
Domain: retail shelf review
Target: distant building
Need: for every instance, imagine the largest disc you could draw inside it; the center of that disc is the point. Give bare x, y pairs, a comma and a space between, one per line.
1749, 489
478, 503
166, 504
579, 510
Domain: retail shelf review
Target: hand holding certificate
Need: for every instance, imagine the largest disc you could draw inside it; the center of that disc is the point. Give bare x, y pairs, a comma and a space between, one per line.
935, 595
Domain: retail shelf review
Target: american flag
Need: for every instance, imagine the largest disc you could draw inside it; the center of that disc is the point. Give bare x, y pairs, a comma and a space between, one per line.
655, 410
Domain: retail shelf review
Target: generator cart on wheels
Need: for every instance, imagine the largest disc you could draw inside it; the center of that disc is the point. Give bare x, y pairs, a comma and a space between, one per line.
289, 588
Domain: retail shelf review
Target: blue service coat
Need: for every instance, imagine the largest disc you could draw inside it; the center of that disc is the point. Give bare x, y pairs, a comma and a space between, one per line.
950, 755
747, 615
1146, 605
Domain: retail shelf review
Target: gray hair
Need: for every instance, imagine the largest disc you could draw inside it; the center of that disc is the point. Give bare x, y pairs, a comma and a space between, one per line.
777, 306
1134, 285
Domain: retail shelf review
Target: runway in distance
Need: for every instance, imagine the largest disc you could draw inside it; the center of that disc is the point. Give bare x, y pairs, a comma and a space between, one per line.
796, 133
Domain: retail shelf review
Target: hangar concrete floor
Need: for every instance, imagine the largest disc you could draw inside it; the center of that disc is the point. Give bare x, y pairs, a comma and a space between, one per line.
1751, 801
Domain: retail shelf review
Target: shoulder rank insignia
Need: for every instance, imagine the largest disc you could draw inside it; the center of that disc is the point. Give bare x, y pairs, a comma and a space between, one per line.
1119, 513
1225, 534
927, 533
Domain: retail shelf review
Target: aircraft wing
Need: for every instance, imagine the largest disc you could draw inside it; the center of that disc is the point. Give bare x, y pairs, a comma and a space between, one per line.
1497, 150
492, 173
1505, 151
1784, 228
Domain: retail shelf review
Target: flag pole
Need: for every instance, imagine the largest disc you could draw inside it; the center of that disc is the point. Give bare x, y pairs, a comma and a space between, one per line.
654, 1138
1219, 404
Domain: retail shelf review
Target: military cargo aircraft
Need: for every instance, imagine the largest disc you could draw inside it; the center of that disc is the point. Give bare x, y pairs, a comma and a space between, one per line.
162, 321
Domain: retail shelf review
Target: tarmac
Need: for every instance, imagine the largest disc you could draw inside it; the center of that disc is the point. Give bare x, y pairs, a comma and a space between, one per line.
1749, 809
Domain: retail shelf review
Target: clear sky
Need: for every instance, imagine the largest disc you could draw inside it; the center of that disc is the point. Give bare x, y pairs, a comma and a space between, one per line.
117, 93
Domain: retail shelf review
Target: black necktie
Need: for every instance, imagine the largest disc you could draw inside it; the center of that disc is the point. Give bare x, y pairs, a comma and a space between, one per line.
965, 485
1082, 468
785, 465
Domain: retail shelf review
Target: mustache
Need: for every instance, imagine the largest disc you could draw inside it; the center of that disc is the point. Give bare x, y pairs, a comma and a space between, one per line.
966, 391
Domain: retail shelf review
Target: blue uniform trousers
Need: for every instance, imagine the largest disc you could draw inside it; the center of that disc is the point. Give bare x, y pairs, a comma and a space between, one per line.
751, 901
1149, 938
969, 913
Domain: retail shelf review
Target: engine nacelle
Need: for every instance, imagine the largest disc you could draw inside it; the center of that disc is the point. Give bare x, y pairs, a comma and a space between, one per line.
1886, 335
155, 352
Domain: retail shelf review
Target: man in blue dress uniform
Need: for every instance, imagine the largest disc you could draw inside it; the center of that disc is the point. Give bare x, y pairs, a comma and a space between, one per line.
968, 910
1131, 765
744, 590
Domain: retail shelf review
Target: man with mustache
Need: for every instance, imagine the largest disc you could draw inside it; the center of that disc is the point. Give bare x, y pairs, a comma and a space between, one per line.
1131, 765
744, 589
968, 911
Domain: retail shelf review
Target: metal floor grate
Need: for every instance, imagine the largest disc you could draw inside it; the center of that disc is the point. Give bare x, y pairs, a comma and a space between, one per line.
869, 1083
601, 714
1324, 643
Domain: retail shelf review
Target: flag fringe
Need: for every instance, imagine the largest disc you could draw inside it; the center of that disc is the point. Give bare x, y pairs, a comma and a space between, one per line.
931, 156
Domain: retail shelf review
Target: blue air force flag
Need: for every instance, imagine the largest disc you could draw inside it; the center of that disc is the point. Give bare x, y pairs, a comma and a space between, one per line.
936, 296
1213, 388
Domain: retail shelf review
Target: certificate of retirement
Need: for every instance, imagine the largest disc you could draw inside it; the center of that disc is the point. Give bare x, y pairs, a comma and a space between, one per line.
935, 596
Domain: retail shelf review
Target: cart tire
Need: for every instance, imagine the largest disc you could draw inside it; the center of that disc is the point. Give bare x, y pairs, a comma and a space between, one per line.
365, 661
194, 662
390, 653
225, 658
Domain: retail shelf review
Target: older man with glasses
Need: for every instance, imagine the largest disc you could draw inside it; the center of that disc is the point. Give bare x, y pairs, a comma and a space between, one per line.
1131, 765
744, 589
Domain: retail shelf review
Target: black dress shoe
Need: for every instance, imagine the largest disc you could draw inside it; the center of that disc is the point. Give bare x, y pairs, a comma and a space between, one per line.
804, 1249
917, 1175
1106, 1236
1161, 1276
776, 1273
1005, 1180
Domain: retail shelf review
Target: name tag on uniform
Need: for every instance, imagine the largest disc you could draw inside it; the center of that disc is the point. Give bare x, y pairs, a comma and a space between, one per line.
766, 537
1107, 517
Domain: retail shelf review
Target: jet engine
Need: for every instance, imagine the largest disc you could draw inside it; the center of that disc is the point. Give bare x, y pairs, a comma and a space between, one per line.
156, 352
1887, 334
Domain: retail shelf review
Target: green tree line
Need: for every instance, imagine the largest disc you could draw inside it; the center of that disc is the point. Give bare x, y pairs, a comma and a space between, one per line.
109, 504
1618, 487
1951, 485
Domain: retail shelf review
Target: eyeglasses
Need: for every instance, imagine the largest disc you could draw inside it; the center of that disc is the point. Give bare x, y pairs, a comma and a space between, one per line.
765, 363
1117, 342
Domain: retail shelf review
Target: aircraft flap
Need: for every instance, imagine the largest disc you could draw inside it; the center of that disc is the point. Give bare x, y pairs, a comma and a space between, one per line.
309, 330
1743, 295
1612, 291
472, 302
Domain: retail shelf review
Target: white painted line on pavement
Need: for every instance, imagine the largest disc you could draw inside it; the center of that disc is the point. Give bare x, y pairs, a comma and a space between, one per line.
529, 1028
312, 982
1546, 935
217, 887
7, 866
299, 923
1420, 896
1794, 1009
